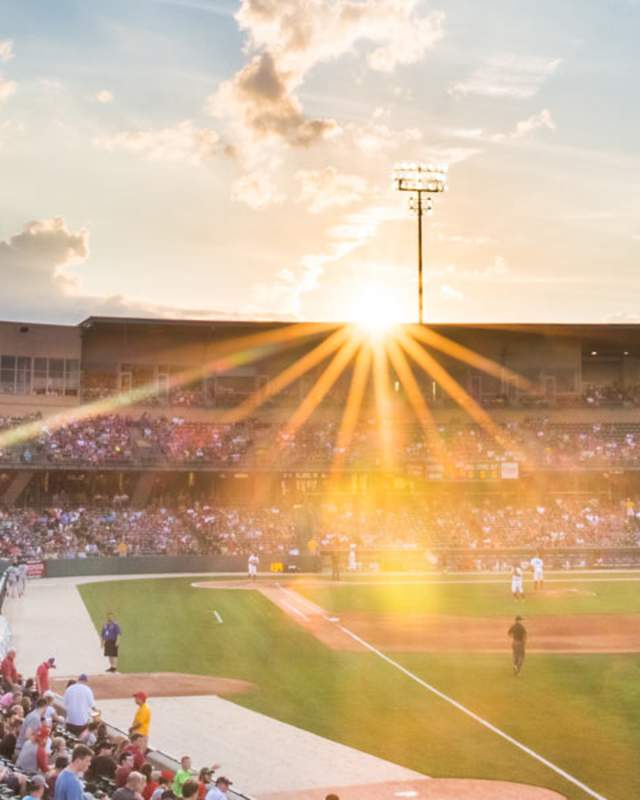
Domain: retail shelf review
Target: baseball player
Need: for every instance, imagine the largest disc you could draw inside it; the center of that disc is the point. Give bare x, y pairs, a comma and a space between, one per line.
538, 572
517, 587
252, 566
352, 562
12, 580
22, 577
518, 634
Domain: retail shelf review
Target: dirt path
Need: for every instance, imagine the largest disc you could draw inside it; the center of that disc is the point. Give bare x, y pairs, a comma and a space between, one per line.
158, 684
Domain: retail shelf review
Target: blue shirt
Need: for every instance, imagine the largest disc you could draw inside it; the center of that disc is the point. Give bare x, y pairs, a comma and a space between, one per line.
68, 786
110, 631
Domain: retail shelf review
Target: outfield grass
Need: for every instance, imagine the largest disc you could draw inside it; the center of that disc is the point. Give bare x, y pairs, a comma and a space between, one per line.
474, 598
581, 712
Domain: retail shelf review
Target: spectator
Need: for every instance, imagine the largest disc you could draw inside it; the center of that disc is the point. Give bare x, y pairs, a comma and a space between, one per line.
219, 791
103, 764
36, 788
60, 763
33, 753
10, 676
125, 767
68, 784
78, 702
163, 783
32, 722
190, 789
136, 747
10, 738
42, 675
132, 790
182, 775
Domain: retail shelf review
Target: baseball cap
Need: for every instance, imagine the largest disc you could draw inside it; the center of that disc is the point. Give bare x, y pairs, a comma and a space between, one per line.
141, 695
51, 662
48, 693
518, 619
222, 779
37, 780
83, 677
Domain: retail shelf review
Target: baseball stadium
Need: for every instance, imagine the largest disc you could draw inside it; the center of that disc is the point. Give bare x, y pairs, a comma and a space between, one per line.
319, 400
312, 542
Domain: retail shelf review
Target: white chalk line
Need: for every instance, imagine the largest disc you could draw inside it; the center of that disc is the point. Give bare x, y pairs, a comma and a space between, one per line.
291, 607
485, 723
216, 614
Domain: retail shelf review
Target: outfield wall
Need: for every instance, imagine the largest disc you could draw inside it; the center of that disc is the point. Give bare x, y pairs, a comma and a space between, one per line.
146, 565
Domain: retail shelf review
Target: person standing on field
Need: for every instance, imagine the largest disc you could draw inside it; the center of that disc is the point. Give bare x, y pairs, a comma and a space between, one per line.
517, 582
518, 634
537, 565
110, 637
252, 566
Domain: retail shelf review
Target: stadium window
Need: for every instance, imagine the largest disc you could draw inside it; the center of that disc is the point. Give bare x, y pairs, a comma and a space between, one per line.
56, 376
40, 375
23, 375
8, 374
71, 377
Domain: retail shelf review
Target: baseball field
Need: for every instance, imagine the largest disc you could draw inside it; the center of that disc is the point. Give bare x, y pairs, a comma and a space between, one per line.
380, 664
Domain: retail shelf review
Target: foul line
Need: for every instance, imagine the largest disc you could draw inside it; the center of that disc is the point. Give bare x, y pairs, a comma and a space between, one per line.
474, 716
218, 617
292, 607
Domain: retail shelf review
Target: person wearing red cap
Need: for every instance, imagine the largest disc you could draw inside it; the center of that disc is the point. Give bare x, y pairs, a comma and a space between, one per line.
42, 675
142, 719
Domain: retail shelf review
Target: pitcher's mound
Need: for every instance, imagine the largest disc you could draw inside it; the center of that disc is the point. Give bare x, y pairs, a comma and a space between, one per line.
158, 684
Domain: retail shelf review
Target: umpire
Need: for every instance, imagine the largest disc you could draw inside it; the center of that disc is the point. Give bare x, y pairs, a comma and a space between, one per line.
110, 637
518, 634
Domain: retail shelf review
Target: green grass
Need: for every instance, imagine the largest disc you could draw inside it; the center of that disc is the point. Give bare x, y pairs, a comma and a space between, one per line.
475, 599
581, 712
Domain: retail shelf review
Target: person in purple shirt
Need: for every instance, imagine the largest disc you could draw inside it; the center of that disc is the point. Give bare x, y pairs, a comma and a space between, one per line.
110, 637
68, 783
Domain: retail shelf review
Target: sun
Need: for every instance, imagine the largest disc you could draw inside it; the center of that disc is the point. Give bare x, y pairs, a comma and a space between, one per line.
375, 312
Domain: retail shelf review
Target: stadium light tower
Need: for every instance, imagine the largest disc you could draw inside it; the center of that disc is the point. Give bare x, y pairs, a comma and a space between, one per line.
420, 179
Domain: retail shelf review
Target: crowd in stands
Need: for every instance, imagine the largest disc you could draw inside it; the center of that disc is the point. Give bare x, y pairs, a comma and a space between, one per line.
84, 532
54, 750
120, 440
561, 521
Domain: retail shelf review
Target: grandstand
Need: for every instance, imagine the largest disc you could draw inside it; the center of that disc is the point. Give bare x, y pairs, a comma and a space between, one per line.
154, 447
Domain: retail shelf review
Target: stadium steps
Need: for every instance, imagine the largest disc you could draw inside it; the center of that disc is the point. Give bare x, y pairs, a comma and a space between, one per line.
16, 487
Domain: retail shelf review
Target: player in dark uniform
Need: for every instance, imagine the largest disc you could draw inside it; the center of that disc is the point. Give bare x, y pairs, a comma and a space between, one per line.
518, 634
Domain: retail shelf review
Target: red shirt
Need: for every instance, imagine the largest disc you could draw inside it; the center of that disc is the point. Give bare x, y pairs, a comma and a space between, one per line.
42, 677
149, 789
122, 773
138, 757
9, 671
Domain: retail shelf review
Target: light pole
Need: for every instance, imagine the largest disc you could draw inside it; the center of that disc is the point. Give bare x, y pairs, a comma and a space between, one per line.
420, 179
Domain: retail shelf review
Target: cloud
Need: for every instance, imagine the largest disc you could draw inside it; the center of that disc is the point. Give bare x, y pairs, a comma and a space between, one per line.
507, 75
288, 38
542, 119
261, 99
6, 50
373, 136
451, 293
7, 88
104, 96
256, 190
325, 188
183, 142
33, 273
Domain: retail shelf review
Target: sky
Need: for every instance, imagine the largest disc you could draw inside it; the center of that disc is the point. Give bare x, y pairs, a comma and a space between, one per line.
234, 158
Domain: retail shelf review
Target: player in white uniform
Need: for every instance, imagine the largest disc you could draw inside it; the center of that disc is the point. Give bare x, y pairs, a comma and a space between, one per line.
538, 572
11, 576
352, 561
252, 566
517, 582
22, 578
